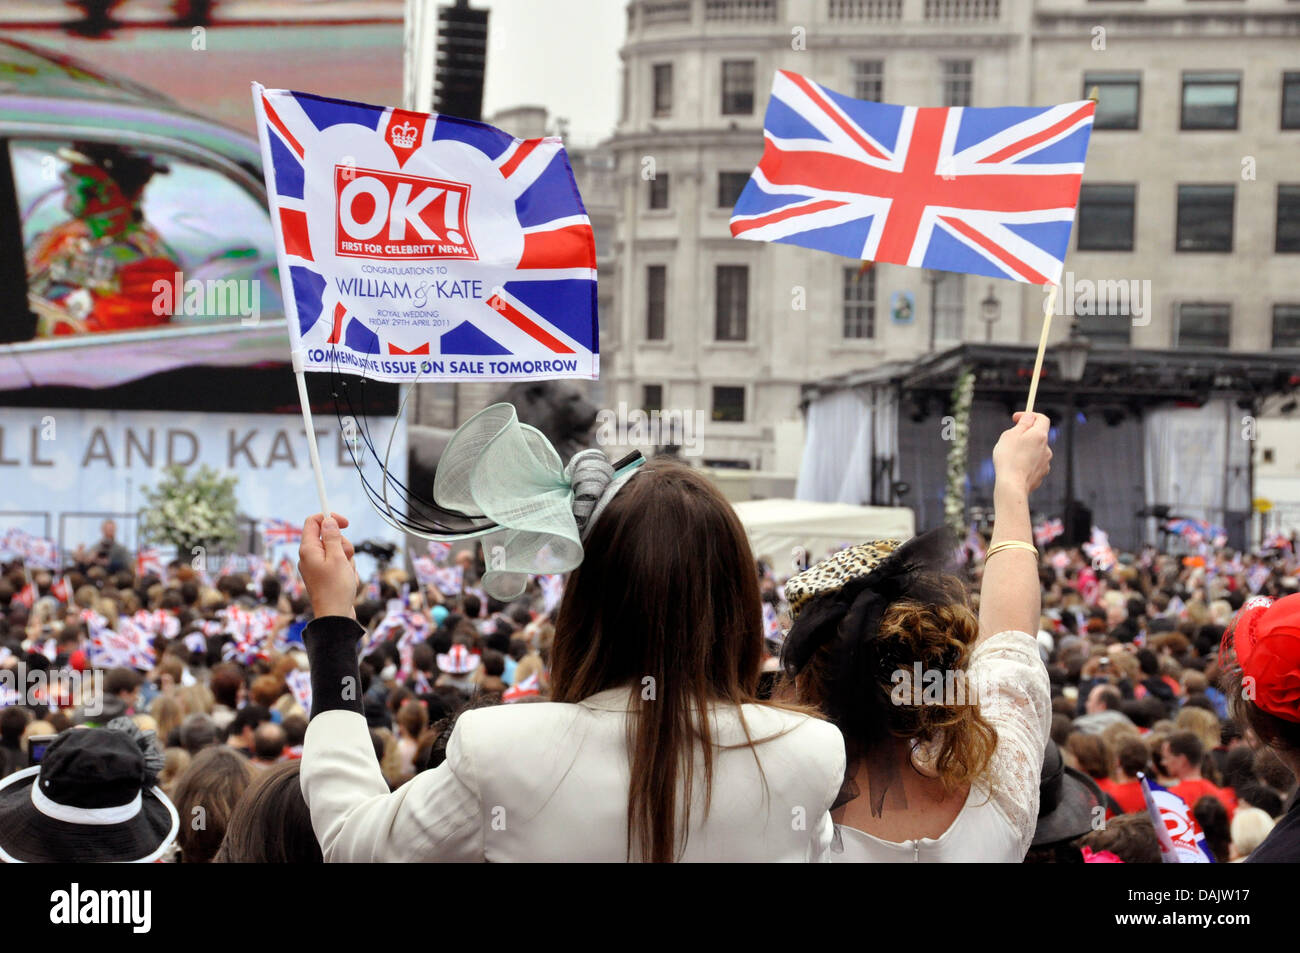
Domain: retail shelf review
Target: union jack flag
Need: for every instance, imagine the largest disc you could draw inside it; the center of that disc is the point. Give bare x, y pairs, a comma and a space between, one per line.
128, 647
149, 562
1048, 530
352, 184
1099, 550
276, 532
439, 551
975, 190
529, 686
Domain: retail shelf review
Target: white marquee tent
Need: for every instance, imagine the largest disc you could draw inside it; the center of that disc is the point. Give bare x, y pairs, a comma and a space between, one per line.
777, 528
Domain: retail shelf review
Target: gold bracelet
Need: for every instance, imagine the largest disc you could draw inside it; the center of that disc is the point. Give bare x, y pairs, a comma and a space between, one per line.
1010, 544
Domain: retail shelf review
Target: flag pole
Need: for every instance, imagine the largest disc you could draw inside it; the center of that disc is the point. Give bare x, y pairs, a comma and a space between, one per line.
1048, 310
312, 449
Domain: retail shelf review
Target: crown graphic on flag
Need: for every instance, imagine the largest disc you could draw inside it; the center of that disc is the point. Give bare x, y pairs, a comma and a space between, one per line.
403, 136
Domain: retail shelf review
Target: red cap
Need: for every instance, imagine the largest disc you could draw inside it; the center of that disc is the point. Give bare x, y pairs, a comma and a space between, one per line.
1266, 638
78, 660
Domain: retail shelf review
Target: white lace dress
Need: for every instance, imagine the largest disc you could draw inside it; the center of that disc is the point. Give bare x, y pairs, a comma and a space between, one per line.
997, 823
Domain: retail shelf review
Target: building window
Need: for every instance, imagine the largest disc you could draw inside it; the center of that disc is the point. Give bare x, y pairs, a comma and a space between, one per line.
652, 397
656, 294
659, 191
869, 80
730, 185
737, 87
1291, 100
663, 89
732, 296
949, 306
1118, 99
859, 303
1268, 454
1286, 325
1106, 215
1205, 217
957, 82
1210, 100
1107, 330
1203, 326
1288, 219
729, 404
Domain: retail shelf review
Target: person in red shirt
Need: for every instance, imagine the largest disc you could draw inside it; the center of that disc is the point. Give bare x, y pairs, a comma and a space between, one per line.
1133, 757
1182, 754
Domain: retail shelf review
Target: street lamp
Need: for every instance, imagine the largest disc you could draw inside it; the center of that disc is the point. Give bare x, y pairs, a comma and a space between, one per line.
1072, 359
990, 311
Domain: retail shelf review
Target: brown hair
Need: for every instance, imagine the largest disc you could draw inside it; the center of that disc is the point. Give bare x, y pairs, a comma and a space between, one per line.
168, 715
205, 796
412, 718
938, 635
1133, 756
266, 689
1273, 731
270, 823
1130, 837
666, 600
1092, 753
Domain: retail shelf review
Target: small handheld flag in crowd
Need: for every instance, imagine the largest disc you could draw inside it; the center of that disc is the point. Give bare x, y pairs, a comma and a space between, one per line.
1181, 839
528, 687
278, 532
36, 552
299, 683
1048, 530
1099, 550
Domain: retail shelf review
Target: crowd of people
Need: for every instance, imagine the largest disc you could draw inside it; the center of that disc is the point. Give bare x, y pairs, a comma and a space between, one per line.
393, 722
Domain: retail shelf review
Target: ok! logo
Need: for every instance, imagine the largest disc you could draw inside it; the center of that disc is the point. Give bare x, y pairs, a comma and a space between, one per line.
396, 215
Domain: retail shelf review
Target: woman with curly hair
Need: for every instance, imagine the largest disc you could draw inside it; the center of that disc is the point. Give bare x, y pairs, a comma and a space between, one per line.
945, 715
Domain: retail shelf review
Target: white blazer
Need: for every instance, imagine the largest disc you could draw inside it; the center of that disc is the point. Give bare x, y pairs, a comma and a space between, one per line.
549, 782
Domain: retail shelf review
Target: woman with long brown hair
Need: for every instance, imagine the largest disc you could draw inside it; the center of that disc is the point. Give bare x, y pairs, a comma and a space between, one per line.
655, 746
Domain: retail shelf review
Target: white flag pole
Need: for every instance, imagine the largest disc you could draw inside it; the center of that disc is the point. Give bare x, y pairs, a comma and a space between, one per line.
1048, 311
312, 449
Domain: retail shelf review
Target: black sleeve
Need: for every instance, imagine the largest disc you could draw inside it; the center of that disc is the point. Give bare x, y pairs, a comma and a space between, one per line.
331, 644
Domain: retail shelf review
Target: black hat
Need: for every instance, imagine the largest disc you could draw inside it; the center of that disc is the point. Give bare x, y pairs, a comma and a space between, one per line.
1067, 800
92, 799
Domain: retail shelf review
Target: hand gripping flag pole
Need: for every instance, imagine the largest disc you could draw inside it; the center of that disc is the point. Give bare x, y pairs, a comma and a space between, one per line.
1048, 311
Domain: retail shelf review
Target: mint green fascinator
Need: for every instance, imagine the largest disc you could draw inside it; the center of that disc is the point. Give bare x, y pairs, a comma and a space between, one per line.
500, 470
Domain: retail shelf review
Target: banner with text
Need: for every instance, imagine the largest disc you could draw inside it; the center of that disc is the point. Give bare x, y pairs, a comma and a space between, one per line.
427, 247
77, 466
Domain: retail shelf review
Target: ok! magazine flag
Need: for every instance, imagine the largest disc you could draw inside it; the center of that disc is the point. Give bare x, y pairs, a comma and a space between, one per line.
419, 246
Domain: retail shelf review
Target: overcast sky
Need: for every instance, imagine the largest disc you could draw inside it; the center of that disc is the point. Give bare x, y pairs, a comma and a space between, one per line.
562, 54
